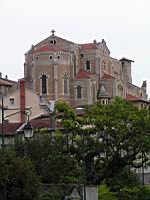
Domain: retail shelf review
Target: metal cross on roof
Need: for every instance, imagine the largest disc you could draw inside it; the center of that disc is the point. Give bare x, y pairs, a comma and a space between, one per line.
53, 31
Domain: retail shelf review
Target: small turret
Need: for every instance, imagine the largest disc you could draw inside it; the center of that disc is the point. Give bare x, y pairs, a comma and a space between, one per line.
126, 66
103, 95
144, 85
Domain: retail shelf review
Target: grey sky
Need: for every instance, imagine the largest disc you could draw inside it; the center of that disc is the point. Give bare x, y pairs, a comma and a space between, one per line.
124, 24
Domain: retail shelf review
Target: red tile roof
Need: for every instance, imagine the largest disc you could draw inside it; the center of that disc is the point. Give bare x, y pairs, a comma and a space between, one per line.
10, 128
48, 48
107, 76
6, 82
82, 74
131, 98
88, 46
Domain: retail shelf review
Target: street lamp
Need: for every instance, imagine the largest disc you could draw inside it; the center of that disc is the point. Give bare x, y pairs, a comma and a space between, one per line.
26, 128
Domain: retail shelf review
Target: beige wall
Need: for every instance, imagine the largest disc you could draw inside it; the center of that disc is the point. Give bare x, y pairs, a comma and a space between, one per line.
32, 100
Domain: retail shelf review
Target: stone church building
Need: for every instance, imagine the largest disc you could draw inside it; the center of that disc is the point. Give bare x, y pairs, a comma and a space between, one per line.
80, 74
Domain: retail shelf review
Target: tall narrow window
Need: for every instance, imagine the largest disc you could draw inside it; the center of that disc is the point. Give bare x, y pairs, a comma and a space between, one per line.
75, 65
65, 84
44, 84
93, 93
79, 92
88, 65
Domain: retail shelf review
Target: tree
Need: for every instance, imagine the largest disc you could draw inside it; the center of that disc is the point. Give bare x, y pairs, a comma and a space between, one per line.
18, 179
108, 138
52, 161
125, 178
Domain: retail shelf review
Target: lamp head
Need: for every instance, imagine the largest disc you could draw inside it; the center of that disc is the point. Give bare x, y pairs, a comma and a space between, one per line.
28, 130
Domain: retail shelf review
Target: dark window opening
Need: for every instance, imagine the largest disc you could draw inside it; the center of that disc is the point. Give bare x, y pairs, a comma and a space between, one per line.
51, 57
44, 84
11, 100
74, 67
58, 57
81, 55
37, 58
52, 41
122, 65
65, 84
88, 65
79, 92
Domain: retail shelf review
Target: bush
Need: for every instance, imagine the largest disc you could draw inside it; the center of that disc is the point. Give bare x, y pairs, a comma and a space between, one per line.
135, 193
104, 193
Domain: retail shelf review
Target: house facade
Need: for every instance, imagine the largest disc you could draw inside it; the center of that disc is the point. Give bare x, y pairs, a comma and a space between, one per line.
6, 85
22, 100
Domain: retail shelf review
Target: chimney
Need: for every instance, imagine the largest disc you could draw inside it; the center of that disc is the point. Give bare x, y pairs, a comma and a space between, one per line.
6, 77
22, 100
0, 74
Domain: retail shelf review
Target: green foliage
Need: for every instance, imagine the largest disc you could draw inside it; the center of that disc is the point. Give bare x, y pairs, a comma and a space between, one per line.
63, 107
134, 193
125, 178
17, 177
50, 195
51, 159
118, 130
99, 146
105, 194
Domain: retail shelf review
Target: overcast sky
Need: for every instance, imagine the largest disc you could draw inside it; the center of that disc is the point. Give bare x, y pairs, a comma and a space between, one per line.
124, 24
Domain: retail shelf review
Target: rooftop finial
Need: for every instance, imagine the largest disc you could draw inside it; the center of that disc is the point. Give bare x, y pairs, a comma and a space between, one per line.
53, 31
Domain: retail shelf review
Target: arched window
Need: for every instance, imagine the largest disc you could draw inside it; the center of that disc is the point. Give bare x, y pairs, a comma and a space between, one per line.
44, 84
65, 84
79, 92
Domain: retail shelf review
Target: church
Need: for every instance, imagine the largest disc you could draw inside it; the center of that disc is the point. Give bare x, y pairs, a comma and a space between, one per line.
80, 74
58, 69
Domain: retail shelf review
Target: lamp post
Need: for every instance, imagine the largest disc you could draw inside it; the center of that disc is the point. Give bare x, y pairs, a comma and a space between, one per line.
2, 108
28, 130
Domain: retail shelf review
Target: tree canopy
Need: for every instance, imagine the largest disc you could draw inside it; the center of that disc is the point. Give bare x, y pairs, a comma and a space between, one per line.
18, 179
107, 138
102, 146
